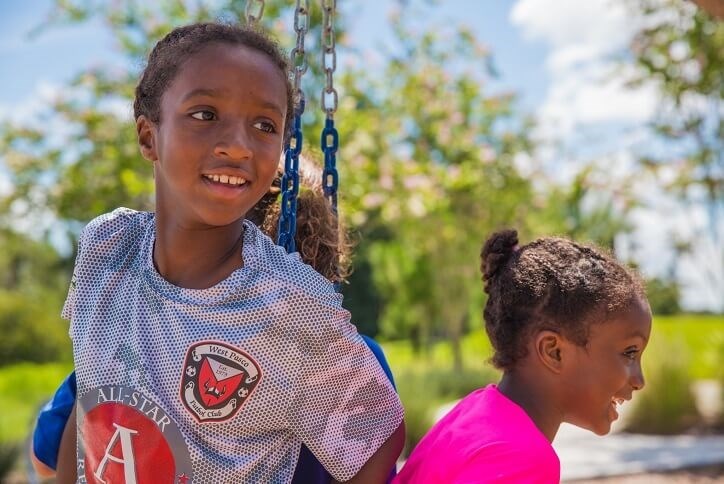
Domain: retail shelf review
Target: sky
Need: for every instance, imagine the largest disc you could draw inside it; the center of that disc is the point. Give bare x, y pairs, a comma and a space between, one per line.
555, 54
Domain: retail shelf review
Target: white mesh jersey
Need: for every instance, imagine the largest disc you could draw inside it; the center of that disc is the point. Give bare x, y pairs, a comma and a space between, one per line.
221, 384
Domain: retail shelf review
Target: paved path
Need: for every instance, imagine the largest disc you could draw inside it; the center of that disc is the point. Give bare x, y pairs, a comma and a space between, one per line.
585, 455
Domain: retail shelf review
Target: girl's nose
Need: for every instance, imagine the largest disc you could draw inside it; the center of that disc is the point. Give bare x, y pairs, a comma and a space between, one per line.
234, 144
637, 379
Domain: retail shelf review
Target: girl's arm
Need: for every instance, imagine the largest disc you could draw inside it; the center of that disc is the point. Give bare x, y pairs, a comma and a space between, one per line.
377, 468
67, 457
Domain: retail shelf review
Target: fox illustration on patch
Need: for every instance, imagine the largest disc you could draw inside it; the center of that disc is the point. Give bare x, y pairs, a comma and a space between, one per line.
217, 379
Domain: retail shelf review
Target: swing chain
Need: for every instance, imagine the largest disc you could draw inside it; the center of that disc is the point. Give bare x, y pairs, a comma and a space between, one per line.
298, 57
290, 180
290, 183
329, 57
330, 136
253, 18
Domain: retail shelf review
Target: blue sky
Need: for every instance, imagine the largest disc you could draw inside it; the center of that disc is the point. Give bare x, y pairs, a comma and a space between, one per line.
55, 55
556, 54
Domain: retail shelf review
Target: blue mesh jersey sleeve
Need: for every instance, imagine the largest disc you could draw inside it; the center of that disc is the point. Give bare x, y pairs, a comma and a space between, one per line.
51, 423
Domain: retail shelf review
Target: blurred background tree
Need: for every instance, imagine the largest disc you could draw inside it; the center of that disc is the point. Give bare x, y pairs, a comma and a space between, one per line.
680, 49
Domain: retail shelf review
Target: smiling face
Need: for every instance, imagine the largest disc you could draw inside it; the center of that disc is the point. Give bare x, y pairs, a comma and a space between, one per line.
218, 142
607, 370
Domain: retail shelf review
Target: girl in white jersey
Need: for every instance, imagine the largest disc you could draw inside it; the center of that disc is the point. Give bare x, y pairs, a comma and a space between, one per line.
204, 352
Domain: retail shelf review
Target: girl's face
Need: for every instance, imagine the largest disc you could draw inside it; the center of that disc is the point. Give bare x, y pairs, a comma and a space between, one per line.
607, 370
218, 143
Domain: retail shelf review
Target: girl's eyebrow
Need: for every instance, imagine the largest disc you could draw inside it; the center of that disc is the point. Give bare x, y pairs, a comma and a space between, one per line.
202, 91
637, 334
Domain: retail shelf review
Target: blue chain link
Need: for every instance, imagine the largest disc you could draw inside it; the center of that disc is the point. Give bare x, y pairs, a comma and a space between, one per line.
330, 177
290, 184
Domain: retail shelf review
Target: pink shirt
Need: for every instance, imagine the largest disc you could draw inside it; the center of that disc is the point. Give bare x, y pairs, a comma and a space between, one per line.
485, 438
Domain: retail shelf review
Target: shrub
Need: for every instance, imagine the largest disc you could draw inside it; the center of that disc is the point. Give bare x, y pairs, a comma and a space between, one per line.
663, 296
9, 452
31, 329
720, 379
666, 405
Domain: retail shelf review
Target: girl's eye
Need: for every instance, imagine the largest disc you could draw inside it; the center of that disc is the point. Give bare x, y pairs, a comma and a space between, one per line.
631, 353
203, 115
265, 126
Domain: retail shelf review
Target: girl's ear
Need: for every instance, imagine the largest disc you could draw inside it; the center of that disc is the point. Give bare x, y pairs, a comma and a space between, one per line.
550, 348
146, 131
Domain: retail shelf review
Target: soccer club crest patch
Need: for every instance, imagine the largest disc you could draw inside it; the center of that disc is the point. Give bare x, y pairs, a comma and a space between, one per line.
217, 379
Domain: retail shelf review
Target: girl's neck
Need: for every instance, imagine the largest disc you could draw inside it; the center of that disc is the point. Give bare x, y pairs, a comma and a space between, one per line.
196, 258
534, 398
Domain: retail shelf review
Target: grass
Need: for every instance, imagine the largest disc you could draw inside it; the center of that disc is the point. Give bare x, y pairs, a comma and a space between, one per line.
23, 388
703, 340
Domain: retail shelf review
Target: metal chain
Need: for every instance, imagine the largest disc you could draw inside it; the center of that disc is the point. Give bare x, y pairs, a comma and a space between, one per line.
253, 18
329, 57
290, 179
330, 136
298, 55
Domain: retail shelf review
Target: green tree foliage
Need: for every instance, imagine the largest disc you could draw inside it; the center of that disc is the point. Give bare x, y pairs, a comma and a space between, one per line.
681, 48
663, 296
429, 170
32, 282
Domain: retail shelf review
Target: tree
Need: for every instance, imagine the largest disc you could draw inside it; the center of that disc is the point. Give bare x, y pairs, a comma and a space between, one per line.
681, 49
429, 171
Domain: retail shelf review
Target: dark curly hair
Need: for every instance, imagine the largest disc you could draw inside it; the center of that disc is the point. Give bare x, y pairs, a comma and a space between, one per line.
551, 283
170, 53
321, 238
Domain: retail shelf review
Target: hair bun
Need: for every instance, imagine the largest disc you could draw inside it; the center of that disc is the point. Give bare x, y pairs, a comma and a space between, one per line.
496, 252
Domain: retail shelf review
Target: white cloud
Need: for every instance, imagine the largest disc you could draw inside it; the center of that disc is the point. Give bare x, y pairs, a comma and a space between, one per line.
571, 22
587, 86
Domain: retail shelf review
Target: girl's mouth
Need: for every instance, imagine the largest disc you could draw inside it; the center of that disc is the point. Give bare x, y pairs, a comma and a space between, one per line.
231, 180
226, 187
615, 403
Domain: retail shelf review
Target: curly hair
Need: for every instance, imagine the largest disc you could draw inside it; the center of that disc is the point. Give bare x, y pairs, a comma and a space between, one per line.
170, 53
321, 238
551, 283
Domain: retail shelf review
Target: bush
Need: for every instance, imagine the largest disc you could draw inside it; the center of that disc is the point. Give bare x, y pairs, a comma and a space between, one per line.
424, 390
9, 452
663, 295
666, 405
31, 329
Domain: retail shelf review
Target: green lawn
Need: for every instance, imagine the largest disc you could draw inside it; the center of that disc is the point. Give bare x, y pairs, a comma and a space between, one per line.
23, 388
702, 337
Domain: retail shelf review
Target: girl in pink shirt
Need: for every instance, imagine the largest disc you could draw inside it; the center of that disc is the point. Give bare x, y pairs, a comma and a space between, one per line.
568, 325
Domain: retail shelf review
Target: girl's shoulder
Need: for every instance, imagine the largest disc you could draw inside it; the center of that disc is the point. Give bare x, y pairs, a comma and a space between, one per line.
114, 224
271, 260
110, 238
